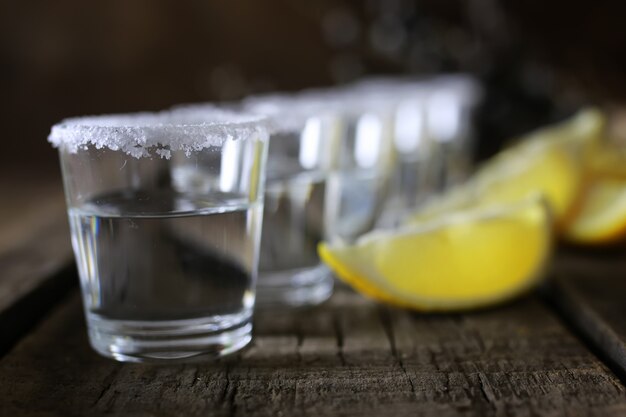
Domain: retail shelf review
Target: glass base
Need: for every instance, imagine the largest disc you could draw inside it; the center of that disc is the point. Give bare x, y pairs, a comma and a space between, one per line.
294, 288
170, 341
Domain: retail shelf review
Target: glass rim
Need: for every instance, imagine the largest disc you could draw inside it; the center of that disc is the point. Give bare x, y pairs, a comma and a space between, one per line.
290, 112
166, 131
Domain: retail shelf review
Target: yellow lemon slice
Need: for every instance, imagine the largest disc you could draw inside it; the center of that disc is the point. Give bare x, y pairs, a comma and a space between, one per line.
456, 261
601, 217
550, 170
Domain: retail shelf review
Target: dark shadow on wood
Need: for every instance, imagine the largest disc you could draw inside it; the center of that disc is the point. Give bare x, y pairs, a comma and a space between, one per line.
597, 337
21, 317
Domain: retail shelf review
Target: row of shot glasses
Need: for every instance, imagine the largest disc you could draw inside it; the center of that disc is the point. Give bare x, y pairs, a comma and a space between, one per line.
183, 219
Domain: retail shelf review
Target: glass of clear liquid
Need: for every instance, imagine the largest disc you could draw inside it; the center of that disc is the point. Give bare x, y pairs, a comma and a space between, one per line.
302, 135
431, 134
363, 160
417, 175
450, 105
165, 215
415, 169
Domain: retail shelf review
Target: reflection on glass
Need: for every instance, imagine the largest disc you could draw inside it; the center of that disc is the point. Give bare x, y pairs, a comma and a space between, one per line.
409, 127
310, 143
368, 144
444, 116
229, 166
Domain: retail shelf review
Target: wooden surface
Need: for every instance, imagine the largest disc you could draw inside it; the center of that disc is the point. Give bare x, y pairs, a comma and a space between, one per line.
590, 293
35, 256
558, 354
349, 357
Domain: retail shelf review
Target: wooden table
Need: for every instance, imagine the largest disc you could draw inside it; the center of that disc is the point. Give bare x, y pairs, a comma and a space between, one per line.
559, 351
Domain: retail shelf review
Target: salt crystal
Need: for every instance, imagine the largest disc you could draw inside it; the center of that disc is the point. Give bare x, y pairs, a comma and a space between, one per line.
149, 134
290, 112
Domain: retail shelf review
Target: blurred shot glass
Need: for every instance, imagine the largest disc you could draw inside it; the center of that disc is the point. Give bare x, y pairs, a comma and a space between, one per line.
302, 136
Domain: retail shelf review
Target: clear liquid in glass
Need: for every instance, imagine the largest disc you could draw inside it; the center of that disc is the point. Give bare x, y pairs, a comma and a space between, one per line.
355, 203
167, 275
290, 272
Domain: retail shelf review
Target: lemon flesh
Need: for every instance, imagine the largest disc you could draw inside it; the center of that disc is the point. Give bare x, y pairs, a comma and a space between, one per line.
602, 215
466, 260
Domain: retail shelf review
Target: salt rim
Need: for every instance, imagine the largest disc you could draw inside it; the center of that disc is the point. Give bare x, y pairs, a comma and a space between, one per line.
390, 84
374, 98
464, 87
289, 112
352, 102
144, 134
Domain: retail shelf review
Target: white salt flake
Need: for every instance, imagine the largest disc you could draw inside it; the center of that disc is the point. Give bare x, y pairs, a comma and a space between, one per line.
146, 134
290, 112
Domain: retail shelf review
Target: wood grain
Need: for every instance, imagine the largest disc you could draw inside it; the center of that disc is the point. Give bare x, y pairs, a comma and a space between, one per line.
590, 291
349, 357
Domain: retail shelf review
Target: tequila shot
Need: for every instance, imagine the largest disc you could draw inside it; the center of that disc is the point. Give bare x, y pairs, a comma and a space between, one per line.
166, 246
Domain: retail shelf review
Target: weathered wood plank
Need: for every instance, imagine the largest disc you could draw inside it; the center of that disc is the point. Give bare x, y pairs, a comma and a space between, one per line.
35, 257
350, 357
591, 293
514, 361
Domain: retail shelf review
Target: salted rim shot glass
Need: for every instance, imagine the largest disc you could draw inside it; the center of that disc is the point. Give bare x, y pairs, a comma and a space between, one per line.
303, 135
165, 214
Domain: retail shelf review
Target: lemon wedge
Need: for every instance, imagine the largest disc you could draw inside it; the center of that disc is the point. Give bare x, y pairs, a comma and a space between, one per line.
548, 161
463, 260
550, 170
606, 158
601, 216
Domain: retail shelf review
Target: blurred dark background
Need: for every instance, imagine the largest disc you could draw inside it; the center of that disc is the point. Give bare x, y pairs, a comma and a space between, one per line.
539, 61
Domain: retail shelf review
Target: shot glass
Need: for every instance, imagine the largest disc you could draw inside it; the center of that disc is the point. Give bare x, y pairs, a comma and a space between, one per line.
362, 165
327, 172
302, 134
432, 134
450, 105
167, 254
415, 168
